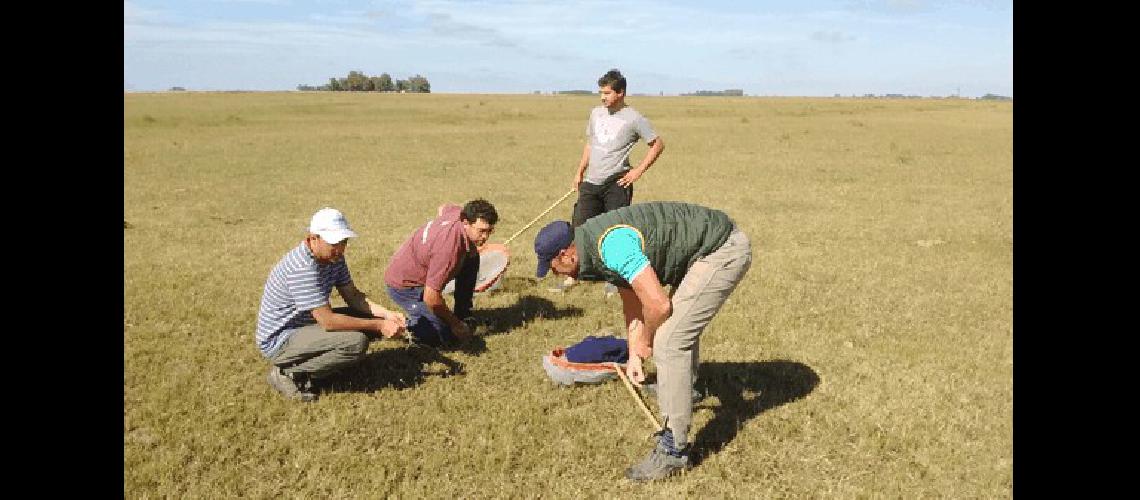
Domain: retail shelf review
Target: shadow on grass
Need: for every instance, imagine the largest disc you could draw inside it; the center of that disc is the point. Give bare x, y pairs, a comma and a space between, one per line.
498, 320
517, 284
745, 390
404, 367
398, 368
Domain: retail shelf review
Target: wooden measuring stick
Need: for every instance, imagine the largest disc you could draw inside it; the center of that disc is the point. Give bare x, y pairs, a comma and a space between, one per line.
636, 396
539, 217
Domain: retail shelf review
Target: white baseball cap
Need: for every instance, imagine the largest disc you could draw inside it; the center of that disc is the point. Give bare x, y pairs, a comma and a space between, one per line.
331, 225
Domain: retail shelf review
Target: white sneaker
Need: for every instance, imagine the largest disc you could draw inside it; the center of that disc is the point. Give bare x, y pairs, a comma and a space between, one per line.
565, 285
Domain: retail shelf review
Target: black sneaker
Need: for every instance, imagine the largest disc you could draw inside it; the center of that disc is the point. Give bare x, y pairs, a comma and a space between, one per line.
289, 388
660, 463
473, 322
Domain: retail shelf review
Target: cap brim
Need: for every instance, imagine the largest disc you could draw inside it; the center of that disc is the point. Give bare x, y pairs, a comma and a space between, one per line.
334, 237
543, 268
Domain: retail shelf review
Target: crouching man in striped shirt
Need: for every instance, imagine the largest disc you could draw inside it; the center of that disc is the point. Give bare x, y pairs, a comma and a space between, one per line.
298, 331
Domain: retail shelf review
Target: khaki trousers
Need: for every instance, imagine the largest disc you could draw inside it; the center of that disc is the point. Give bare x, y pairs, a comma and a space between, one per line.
707, 284
317, 353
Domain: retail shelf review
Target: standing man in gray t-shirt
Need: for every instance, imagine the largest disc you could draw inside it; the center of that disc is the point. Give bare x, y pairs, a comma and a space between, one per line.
604, 179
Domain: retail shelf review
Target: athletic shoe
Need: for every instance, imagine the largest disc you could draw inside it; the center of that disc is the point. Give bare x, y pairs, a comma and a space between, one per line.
662, 462
289, 388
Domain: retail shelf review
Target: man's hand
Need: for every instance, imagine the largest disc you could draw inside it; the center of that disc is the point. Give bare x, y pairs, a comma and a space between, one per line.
630, 177
391, 329
399, 318
634, 370
637, 344
379, 311
577, 180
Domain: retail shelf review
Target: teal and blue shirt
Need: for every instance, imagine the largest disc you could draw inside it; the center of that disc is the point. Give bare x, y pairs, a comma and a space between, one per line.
623, 251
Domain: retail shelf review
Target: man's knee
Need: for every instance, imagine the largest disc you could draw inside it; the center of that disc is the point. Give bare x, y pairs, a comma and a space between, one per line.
356, 344
672, 352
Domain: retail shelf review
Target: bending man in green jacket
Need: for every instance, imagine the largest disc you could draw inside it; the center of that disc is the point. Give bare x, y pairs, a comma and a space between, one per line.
639, 248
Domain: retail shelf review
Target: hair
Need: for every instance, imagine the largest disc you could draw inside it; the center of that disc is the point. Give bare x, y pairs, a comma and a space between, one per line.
614, 79
480, 209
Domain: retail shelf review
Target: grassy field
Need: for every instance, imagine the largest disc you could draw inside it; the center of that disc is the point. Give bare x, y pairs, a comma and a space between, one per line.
867, 354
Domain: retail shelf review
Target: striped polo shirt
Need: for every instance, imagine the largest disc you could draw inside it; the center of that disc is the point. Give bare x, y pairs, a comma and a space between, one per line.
296, 285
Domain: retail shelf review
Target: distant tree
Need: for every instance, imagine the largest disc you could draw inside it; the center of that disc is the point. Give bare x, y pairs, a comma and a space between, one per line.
355, 81
995, 97
418, 83
386, 84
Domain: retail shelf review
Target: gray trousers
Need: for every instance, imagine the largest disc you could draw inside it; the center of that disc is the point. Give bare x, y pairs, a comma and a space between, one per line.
707, 284
312, 351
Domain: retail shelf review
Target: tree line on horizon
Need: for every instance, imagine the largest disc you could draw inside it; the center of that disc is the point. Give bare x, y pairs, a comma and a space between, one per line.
357, 81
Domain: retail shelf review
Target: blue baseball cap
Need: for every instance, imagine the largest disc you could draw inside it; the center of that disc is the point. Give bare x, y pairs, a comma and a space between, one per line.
549, 241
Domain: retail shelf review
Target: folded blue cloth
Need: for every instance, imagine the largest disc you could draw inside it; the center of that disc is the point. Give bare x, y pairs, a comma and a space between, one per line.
594, 349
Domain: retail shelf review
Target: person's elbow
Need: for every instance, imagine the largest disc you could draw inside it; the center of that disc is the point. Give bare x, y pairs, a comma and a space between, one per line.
433, 298
658, 144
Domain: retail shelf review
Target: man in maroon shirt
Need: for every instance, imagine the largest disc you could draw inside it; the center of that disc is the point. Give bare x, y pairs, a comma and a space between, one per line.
443, 249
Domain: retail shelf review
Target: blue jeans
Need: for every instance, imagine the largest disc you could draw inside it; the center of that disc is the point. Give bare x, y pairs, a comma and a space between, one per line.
424, 326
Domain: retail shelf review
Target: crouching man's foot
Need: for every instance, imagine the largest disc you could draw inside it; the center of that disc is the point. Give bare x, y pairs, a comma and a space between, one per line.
664, 461
290, 388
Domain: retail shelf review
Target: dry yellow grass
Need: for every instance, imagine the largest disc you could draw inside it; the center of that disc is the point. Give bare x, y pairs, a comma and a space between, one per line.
867, 354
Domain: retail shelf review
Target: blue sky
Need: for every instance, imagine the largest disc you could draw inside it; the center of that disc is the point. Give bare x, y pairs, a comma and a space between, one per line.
789, 48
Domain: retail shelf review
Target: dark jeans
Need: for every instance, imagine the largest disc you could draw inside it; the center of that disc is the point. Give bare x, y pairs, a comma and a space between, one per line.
596, 200
424, 326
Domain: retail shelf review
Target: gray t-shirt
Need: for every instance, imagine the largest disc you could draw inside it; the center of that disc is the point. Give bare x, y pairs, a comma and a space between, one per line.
611, 137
